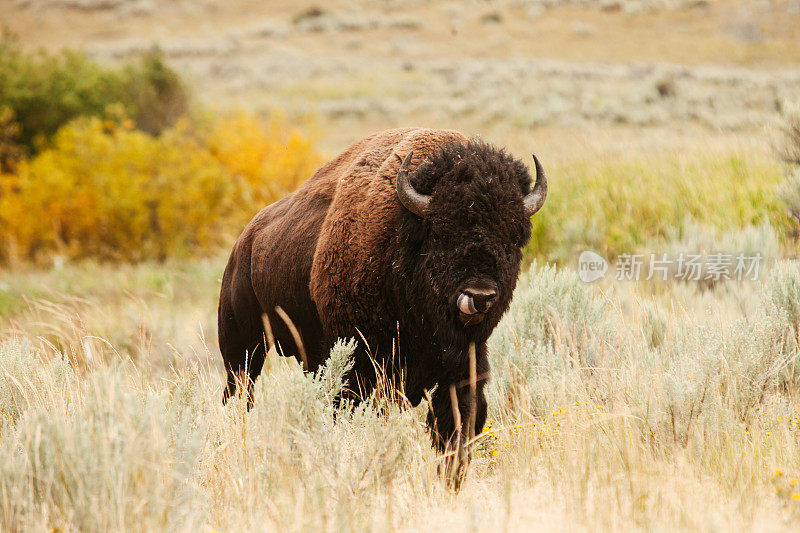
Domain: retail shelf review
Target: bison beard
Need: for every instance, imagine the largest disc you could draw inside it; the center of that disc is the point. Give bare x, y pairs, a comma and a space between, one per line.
410, 241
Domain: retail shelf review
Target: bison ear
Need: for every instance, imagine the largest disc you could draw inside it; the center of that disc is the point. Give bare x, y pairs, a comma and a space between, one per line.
412, 200
534, 200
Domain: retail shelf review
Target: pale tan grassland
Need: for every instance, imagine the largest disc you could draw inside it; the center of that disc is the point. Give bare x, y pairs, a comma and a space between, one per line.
614, 405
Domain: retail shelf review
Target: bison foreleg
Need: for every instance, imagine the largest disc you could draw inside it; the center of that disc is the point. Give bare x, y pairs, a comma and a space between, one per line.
457, 413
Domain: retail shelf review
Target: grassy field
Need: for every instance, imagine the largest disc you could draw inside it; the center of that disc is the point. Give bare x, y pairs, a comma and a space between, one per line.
614, 405
611, 407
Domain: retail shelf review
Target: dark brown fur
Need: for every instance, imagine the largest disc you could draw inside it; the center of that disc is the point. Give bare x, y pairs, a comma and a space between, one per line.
344, 259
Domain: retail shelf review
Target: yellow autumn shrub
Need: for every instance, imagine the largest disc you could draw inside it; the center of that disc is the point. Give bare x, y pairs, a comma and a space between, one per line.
266, 160
106, 190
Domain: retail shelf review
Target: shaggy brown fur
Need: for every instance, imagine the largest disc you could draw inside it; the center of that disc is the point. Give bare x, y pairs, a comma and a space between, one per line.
344, 258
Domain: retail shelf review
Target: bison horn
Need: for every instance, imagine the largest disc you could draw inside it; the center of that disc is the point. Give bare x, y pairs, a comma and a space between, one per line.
535, 199
412, 200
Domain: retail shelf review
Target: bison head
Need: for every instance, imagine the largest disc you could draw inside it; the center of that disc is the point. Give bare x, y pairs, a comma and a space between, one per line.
465, 218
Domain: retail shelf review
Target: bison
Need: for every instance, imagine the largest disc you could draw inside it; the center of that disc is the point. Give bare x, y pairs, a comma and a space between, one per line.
409, 241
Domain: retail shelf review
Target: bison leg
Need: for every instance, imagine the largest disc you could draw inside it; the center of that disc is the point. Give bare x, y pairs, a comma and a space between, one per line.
242, 367
243, 354
241, 333
244, 373
456, 415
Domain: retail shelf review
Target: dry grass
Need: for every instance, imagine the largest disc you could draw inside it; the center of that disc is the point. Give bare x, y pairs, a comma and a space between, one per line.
613, 407
622, 406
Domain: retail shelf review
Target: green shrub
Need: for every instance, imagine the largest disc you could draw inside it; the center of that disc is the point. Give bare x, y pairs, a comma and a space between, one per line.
45, 91
153, 93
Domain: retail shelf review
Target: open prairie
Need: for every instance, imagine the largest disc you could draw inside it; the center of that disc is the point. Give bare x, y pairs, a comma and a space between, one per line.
651, 399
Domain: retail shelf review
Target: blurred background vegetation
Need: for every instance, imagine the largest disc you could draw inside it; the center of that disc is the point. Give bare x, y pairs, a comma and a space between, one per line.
117, 164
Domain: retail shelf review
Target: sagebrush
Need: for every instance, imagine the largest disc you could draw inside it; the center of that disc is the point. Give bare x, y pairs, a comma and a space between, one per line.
610, 409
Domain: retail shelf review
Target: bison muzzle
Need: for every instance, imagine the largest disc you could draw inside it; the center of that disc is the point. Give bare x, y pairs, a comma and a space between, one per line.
409, 241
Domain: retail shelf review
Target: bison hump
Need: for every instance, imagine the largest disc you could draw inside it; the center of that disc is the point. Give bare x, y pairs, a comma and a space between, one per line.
352, 263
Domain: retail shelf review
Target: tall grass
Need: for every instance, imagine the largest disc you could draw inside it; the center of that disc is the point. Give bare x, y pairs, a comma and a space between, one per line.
617, 205
108, 450
610, 407
659, 392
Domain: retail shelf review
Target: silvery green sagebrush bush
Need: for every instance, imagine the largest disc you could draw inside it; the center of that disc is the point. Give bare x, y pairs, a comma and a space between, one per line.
694, 237
557, 345
122, 455
781, 302
94, 455
588, 388
553, 308
761, 242
657, 392
553, 331
298, 446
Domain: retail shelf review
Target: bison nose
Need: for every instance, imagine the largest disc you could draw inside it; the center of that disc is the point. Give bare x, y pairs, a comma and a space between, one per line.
472, 301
